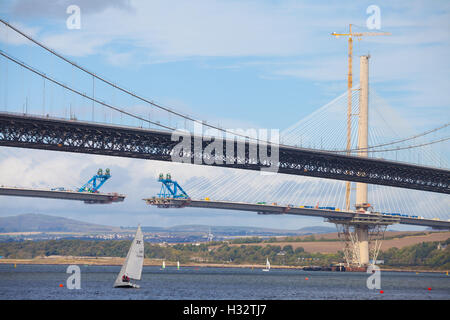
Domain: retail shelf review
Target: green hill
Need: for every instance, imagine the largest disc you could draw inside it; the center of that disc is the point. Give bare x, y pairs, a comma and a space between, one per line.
46, 223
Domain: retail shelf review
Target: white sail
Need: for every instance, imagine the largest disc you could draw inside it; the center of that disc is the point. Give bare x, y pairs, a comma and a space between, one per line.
267, 265
164, 265
178, 264
134, 261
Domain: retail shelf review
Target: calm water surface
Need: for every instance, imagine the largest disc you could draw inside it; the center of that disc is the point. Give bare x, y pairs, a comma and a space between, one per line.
42, 282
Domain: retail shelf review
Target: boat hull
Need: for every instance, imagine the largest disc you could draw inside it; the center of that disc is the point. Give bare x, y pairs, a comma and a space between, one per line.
127, 286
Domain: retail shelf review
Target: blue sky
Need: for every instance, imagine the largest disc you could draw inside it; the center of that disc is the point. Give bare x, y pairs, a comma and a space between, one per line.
245, 64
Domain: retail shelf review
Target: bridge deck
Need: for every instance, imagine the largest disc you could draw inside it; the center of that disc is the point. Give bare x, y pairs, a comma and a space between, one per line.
312, 212
87, 197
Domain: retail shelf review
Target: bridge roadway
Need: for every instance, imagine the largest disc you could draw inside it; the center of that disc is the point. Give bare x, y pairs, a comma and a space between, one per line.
37, 132
333, 215
87, 197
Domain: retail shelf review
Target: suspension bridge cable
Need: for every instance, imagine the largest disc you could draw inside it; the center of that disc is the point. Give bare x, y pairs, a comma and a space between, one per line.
119, 87
397, 141
413, 146
44, 76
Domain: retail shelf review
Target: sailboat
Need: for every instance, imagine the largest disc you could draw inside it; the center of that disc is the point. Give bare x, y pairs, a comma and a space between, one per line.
267, 265
132, 267
178, 265
163, 265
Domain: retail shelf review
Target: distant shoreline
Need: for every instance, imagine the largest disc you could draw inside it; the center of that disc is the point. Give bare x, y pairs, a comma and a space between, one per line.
117, 261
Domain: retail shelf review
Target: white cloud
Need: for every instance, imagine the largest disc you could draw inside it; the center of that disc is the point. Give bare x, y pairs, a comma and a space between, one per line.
57, 8
74, 43
186, 29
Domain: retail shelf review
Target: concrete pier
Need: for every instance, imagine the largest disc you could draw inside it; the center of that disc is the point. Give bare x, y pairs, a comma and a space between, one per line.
362, 232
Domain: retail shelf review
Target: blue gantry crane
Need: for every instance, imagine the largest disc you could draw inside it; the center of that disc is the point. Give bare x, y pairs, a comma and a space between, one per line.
96, 181
170, 188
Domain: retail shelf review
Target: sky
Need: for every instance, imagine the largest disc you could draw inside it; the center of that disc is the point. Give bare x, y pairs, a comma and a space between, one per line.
239, 64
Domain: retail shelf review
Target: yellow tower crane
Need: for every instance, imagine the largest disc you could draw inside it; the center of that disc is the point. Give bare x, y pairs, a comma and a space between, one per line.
350, 36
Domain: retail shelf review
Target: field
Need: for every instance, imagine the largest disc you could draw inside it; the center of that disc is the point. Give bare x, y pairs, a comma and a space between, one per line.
403, 239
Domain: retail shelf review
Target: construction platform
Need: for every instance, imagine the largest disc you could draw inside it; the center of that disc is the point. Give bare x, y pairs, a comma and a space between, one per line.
367, 219
333, 216
87, 197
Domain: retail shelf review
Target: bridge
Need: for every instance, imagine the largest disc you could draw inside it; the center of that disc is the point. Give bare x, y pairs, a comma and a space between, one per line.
361, 229
331, 213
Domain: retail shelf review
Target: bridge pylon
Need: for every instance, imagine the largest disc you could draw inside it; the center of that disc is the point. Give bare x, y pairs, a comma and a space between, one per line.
363, 128
362, 236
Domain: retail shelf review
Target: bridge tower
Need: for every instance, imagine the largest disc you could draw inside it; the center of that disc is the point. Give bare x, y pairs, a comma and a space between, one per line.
362, 236
363, 128
362, 231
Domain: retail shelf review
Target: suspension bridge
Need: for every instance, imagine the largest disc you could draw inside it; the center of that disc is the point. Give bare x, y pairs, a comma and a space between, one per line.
313, 157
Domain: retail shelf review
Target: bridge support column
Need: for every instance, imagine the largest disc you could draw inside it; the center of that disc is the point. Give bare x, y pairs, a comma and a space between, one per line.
362, 244
363, 128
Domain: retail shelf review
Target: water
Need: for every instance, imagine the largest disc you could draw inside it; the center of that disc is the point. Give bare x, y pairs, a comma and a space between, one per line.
42, 282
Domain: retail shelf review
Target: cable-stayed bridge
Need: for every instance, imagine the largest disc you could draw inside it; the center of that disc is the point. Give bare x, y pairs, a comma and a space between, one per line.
69, 108
61, 194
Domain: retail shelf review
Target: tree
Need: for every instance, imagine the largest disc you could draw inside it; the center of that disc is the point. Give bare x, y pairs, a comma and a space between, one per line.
288, 249
299, 250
